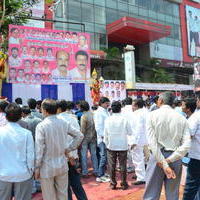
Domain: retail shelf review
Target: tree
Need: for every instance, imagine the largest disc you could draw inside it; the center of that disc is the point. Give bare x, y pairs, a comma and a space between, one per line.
13, 12
113, 52
161, 76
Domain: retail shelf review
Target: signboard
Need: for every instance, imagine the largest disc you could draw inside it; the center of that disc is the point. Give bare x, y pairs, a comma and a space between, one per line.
43, 56
115, 90
129, 59
193, 30
164, 51
197, 1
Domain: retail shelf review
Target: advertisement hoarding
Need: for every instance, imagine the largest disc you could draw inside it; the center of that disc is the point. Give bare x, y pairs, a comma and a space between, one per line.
43, 56
193, 30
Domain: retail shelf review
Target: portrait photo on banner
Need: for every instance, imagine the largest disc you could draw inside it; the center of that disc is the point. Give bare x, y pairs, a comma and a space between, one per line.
44, 56
115, 90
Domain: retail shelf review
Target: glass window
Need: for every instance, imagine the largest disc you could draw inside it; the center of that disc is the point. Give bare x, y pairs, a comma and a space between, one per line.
176, 21
87, 13
133, 10
123, 7
176, 10
74, 11
111, 15
59, 10
132, 2
161, 17
99, 2
100, 28
169, 18
152, 14
111, 4
122, 14
76, 27
143, 12
100, 15
92, 39
87, 1
89, 27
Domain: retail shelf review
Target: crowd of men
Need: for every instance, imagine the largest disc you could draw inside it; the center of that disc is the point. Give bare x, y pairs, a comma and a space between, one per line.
44, 146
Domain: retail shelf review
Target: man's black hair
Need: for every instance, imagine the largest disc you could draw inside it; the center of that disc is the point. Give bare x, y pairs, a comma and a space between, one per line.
13, 29
14, 48
13, 112
65, 105
116, 107
139, 103
81, 53
3, 105
103, 100
84, 106
32, 103
128, 101
190, 103
18, 100
26, 110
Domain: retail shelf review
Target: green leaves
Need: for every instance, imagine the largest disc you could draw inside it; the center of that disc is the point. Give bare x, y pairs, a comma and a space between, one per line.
13, 12
161, 76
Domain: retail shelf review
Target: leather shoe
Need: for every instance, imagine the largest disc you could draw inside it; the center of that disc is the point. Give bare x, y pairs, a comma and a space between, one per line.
139, 183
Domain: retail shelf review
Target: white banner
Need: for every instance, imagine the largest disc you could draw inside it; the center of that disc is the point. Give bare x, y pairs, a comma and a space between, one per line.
129, 59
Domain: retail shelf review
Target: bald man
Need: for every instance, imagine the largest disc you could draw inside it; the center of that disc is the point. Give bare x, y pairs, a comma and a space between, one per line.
62, 62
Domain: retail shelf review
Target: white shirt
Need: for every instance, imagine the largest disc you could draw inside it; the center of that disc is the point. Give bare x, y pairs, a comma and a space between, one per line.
117, 128
194, 124
99, 119
14, 62
56, 74
139, 127
75, 74
13, 40
51, 141
169, 130
16, 154
127, 112
74, 122
3, 120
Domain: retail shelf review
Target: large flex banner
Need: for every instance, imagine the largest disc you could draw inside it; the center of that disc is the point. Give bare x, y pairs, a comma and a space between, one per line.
43, 56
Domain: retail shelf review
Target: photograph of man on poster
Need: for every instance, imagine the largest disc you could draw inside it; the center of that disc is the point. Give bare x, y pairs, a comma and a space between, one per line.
62, 63
14, 60
80, 72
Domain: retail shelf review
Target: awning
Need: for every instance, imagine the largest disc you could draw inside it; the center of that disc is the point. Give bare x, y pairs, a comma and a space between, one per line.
130, 30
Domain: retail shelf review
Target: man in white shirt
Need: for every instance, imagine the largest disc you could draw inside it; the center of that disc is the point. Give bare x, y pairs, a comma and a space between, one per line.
16, 157
62, 62
3, 105
127, 111
81, 71
169, 140
99, 119
64, 112
14, 60
52, 149
14, 38
192, 187
117, 128
138, 139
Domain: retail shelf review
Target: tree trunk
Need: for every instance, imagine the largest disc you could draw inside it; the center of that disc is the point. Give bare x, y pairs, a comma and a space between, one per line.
3, 13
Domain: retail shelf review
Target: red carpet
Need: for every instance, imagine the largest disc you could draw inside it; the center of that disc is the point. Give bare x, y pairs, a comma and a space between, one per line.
101, 191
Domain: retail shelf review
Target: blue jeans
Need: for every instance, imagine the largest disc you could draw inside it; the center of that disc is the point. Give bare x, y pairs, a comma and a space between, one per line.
192, 181
92, 146
102, 159
75, 185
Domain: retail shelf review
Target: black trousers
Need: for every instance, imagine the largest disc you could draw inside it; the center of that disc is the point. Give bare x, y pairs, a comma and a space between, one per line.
75, 185
112, 157
192, 181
